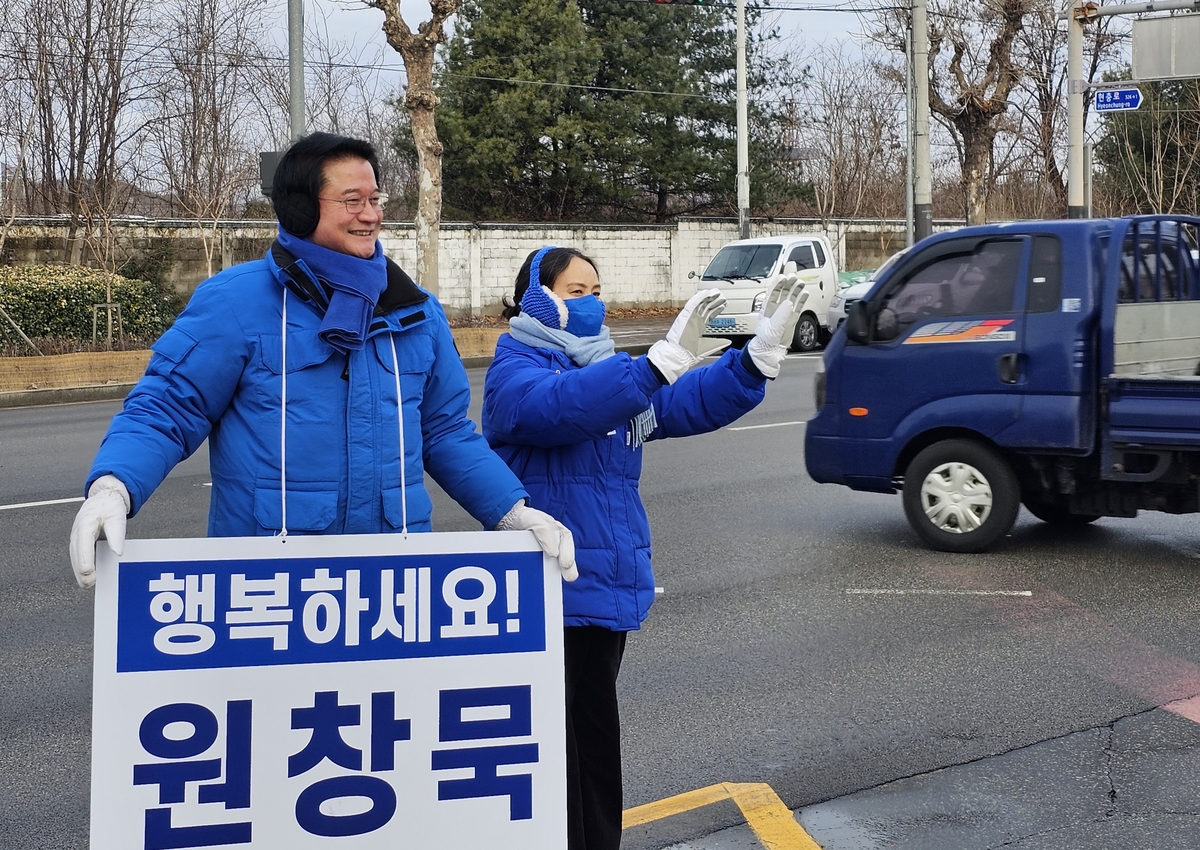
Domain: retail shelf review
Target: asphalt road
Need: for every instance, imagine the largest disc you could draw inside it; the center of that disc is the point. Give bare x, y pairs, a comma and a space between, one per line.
894, 696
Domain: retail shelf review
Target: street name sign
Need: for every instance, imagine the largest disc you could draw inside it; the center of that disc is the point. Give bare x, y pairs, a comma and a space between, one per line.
1118, 100
359, 692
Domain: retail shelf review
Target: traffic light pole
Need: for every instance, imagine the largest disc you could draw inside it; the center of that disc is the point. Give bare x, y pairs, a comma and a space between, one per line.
295, 69
743, 143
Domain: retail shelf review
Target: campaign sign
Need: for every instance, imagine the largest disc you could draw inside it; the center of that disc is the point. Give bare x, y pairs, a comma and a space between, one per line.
369, 691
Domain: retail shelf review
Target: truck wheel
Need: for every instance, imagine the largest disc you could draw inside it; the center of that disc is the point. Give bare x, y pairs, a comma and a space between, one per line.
960, 496
1055, 512
808, 334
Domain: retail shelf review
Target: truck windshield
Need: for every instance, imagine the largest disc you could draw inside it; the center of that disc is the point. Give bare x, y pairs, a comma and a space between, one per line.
742, 261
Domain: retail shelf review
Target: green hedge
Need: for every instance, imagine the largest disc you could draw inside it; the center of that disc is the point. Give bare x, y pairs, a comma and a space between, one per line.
56, 302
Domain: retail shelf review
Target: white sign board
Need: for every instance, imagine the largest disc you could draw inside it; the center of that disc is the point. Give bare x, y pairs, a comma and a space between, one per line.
344, 692
1164, 48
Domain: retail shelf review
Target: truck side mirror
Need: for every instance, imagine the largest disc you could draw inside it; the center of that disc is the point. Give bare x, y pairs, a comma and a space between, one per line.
858, 323
691, 275
790, 267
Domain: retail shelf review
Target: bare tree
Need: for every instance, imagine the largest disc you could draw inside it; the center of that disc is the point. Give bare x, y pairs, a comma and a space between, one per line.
972, 73
84, 109
852, 134
1152, 156
418, 52
201, 131
17, 124
346, 92
1039, 100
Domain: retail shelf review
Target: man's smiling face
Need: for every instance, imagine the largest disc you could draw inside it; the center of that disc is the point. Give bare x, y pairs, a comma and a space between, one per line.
338, 229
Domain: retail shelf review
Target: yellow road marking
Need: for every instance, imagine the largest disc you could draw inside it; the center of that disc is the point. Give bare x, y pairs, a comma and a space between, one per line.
772, 821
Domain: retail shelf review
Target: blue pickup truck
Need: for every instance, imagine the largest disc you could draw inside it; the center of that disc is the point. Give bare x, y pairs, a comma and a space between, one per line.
1054, 364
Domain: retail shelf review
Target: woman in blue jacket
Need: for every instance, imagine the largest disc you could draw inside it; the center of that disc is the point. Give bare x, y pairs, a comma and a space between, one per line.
570, 416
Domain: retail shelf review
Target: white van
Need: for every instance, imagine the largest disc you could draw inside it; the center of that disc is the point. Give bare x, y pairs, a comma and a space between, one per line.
740, 269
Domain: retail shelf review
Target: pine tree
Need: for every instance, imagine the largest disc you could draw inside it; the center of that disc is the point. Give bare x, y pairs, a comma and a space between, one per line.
604, 110
516, 119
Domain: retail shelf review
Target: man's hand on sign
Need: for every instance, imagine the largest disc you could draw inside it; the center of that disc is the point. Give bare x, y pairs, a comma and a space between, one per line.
554, 537
102, 514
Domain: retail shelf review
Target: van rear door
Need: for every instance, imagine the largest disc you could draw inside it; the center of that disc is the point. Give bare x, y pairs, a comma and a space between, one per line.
814, 269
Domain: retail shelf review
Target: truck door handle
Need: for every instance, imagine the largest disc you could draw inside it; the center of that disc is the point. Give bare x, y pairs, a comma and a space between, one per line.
1009, 368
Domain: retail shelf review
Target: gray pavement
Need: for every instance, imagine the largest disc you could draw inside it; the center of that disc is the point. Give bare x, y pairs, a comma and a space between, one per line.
921, 721
1131, 783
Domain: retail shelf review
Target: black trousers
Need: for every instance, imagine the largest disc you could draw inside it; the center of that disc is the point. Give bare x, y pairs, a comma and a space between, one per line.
594, 801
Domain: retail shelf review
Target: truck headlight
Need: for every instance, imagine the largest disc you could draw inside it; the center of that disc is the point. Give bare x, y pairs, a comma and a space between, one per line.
758, 302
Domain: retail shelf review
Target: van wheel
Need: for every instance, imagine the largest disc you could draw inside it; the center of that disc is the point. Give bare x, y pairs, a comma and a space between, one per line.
1055, 512
808, 334
960, 496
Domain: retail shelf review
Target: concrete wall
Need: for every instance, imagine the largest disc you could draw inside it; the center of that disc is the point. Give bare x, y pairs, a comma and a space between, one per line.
640, 265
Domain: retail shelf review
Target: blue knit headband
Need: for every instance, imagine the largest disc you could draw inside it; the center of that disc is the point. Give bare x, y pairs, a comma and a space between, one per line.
535, 268
536, 301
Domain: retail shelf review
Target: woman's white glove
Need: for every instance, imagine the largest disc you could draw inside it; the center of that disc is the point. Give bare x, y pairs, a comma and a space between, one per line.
776, 322
554, 537
102, 514
686, 345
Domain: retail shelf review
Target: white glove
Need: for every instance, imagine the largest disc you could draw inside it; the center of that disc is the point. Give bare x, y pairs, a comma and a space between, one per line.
687, 330
776, 322
102, 514
685, 346
554, 537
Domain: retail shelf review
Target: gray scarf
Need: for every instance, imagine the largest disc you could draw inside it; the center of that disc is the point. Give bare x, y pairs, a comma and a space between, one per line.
581, 349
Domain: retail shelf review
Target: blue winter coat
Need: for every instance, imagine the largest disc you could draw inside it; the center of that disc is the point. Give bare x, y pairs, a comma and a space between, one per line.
216, 374
566, 432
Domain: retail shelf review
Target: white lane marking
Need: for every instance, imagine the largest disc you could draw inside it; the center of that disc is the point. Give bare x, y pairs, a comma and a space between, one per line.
39, 504
859, 591
772, 425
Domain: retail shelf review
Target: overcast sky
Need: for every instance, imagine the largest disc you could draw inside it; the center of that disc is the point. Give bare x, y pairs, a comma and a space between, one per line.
352, 22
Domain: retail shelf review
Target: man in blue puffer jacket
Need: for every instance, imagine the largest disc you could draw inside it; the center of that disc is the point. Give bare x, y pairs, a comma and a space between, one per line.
325, 380
570, 415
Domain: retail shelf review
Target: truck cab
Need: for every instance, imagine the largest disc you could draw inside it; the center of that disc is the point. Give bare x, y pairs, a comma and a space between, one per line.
1051, 364
742, 268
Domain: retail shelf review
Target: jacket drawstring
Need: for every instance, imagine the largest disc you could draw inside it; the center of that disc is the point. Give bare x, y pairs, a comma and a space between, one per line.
283, 421
400, 420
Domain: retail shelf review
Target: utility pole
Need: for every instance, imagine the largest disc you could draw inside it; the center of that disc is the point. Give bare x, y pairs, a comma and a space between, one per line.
295, 69
743, 142
923, 181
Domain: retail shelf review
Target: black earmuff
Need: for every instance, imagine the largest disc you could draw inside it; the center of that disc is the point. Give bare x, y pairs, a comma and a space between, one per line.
298, 213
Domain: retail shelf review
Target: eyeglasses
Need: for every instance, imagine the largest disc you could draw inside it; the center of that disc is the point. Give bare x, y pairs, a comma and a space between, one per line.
356, 205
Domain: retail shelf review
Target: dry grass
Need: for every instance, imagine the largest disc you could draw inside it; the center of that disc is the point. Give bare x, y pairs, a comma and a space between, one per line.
61, 345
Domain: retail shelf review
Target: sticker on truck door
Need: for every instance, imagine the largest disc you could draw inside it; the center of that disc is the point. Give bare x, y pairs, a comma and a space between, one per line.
977, 330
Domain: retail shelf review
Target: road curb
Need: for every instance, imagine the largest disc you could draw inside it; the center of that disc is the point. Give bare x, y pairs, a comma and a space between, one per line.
116, 392
64, 395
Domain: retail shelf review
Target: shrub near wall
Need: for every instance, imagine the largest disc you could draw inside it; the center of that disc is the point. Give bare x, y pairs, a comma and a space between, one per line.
56, 302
